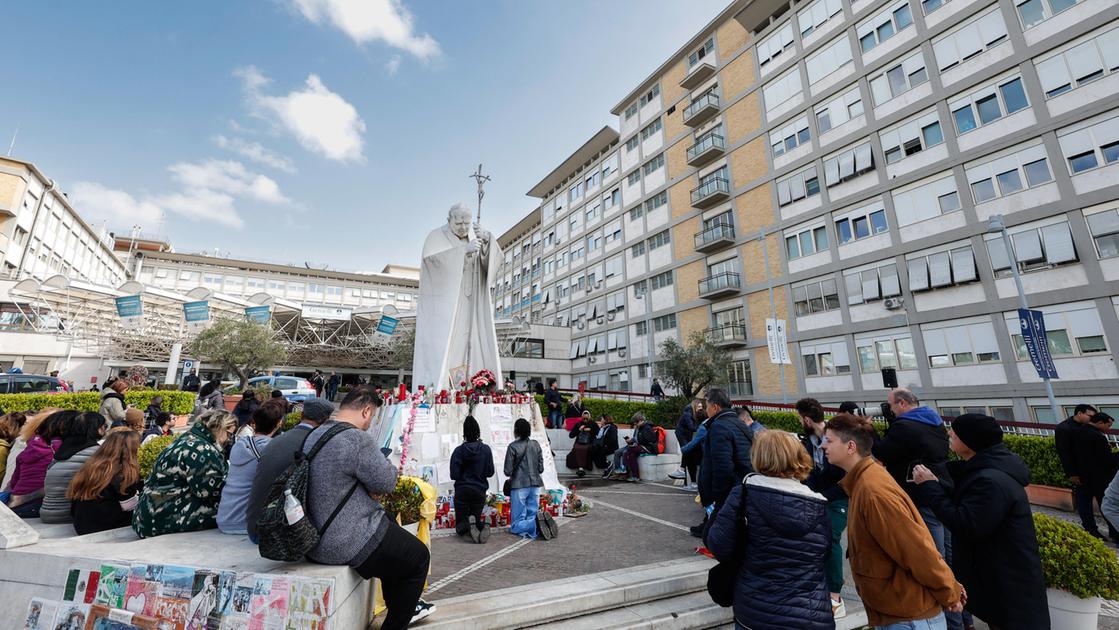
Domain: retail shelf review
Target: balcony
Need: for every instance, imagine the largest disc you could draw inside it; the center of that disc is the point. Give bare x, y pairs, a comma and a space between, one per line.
714, 238
711, 191
728, 335
706, 148
697, 75
719, 285
701, 110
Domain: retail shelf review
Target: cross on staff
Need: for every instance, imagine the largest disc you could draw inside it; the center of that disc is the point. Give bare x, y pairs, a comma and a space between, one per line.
481, 179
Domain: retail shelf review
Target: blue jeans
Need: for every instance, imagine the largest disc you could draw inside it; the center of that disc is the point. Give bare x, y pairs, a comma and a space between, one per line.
943, 539
555, 418
934, 623
522, 512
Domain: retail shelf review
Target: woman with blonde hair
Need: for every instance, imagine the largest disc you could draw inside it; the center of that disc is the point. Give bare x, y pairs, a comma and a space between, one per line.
772, 536
183, 491
106, 488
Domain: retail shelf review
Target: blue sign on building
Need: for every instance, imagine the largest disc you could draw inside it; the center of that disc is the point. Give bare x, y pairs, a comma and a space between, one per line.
387, 325
130, 306
1037, 343
197, 311
258, 314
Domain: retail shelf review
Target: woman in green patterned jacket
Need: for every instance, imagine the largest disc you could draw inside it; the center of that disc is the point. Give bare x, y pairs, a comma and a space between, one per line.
184, 488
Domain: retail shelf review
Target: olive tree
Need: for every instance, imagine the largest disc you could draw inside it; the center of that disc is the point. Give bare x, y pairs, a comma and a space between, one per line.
693, 367
239, 345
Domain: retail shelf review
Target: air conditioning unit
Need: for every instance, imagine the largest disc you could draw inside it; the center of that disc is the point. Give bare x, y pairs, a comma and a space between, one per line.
622, 353
598, 284
589, 290
592, 358
582, 325
894, 303
610, 316
599, 320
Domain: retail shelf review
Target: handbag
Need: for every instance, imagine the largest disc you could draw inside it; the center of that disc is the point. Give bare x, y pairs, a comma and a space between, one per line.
507, 487
721, 577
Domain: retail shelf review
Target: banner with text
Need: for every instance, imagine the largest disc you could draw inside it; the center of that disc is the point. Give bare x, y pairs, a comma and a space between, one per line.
196, 314
130, 309
1037, 342
258, 314
777, 341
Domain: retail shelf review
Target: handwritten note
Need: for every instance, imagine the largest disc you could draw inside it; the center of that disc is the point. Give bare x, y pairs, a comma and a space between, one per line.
425, 420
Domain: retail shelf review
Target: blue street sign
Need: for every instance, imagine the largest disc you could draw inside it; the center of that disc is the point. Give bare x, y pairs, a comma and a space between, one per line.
1037, 343
387, 325
258, 314
130, 306
197, 311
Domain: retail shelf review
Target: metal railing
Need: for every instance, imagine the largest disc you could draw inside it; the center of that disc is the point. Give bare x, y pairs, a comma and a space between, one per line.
710, 187
706, 141
714, 233
709, 99
728, 332
720, 281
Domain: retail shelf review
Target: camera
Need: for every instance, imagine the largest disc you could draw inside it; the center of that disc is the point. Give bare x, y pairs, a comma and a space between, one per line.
881, 411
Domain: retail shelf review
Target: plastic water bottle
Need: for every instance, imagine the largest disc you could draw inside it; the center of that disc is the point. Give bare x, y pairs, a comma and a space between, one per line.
293, 509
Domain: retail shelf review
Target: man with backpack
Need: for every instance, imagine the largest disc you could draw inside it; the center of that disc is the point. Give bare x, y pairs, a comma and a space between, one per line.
346, 473
726, 453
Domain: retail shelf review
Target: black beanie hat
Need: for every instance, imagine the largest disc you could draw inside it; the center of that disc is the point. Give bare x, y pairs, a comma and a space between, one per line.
977, 431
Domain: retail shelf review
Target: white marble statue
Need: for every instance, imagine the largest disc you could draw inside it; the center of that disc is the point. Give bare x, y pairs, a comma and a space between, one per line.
454, 316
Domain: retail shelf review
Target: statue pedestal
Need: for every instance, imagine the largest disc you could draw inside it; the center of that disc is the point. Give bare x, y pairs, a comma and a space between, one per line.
438, 430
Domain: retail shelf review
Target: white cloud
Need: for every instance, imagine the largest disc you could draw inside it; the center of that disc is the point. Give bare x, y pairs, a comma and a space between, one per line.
255, 152
200, 204
227, 176
371, 20
393, 65
322, 121
96, 203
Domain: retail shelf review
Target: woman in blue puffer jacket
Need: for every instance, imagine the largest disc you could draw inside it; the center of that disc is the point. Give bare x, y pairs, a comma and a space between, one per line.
779, 539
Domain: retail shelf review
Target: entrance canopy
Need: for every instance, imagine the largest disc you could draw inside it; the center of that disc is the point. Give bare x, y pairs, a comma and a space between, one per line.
317, 335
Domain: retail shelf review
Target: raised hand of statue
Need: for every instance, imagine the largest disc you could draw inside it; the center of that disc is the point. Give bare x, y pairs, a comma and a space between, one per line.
473, 247
482, 233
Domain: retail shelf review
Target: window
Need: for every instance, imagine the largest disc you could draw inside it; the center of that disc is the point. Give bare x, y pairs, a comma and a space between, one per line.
653, 164
911, 136
1034, 247
972, 38
1104, 227
633, 143
616, 301
661, 280
707, 48
941, 269
988, 104
656, 201
740, 382
898, 78
651, 129
876, 354
650, 95
609, 166
528, 348
848, 164
862, 223
1034, 12
1091, 145
659, 239
633, 178
1009, 174
825, 359
792, 136
1084, 62
593, 179
773, 46
883, 26
925, 199
962, 344
806, 242
664, 322
611, 199
932, 5
637, 250
839, 110
815, 297
830, 58
1070, 330
631, 111
782, 89
814, 16
798, 186
873, 284
594, 242
613, 232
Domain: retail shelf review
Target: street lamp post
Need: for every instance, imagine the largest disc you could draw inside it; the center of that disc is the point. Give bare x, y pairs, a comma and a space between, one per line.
649, 344
997, 225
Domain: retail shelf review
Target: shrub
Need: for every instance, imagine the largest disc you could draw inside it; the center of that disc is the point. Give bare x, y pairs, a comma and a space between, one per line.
1040, 455
150, 451
783, 420
1075, 561
177, 403
621, 410
291, 420
404, 502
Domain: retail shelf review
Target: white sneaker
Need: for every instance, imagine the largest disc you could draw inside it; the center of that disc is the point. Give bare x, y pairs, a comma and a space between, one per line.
423, 610
838, 609
691, 487
679, 473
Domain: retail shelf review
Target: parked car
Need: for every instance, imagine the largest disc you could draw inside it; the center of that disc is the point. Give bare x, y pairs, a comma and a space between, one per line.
32, 384
295, 388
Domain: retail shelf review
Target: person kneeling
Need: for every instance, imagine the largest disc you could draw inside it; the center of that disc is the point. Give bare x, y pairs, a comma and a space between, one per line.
471, 468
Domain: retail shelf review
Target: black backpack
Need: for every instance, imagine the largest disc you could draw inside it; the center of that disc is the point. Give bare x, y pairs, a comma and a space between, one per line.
290, 542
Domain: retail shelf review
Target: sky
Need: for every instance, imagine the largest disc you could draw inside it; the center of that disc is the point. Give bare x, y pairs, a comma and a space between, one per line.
330, 132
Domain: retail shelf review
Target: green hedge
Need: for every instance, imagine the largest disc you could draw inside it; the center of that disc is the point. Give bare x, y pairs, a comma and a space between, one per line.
1073, 561
1040, 455
620, 410
177, 403
150, 452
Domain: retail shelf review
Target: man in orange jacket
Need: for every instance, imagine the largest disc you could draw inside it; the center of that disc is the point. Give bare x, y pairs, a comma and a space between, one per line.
898, 572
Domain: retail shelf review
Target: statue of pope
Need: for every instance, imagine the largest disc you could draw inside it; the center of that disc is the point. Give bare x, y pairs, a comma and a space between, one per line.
454, 316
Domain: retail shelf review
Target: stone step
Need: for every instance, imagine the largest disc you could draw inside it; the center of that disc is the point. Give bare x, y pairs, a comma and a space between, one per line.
556, 601
690, 611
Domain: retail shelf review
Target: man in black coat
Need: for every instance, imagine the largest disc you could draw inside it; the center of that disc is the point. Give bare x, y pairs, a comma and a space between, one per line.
726, 452
554, 401
824, 479
1096, 464
1063, 437
994, 545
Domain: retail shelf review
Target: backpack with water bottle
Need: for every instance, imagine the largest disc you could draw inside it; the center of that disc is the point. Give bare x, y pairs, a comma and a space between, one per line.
284, 528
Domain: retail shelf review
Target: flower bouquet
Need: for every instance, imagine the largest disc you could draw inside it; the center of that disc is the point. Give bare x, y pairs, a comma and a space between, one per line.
483, 381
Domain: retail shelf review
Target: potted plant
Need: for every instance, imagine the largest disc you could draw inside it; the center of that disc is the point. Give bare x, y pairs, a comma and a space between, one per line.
1079, 571
403, 504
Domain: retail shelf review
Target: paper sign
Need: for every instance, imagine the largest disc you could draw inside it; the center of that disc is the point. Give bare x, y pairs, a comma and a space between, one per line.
429, 446
443, 470
501, 415
501, 437
425, 420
